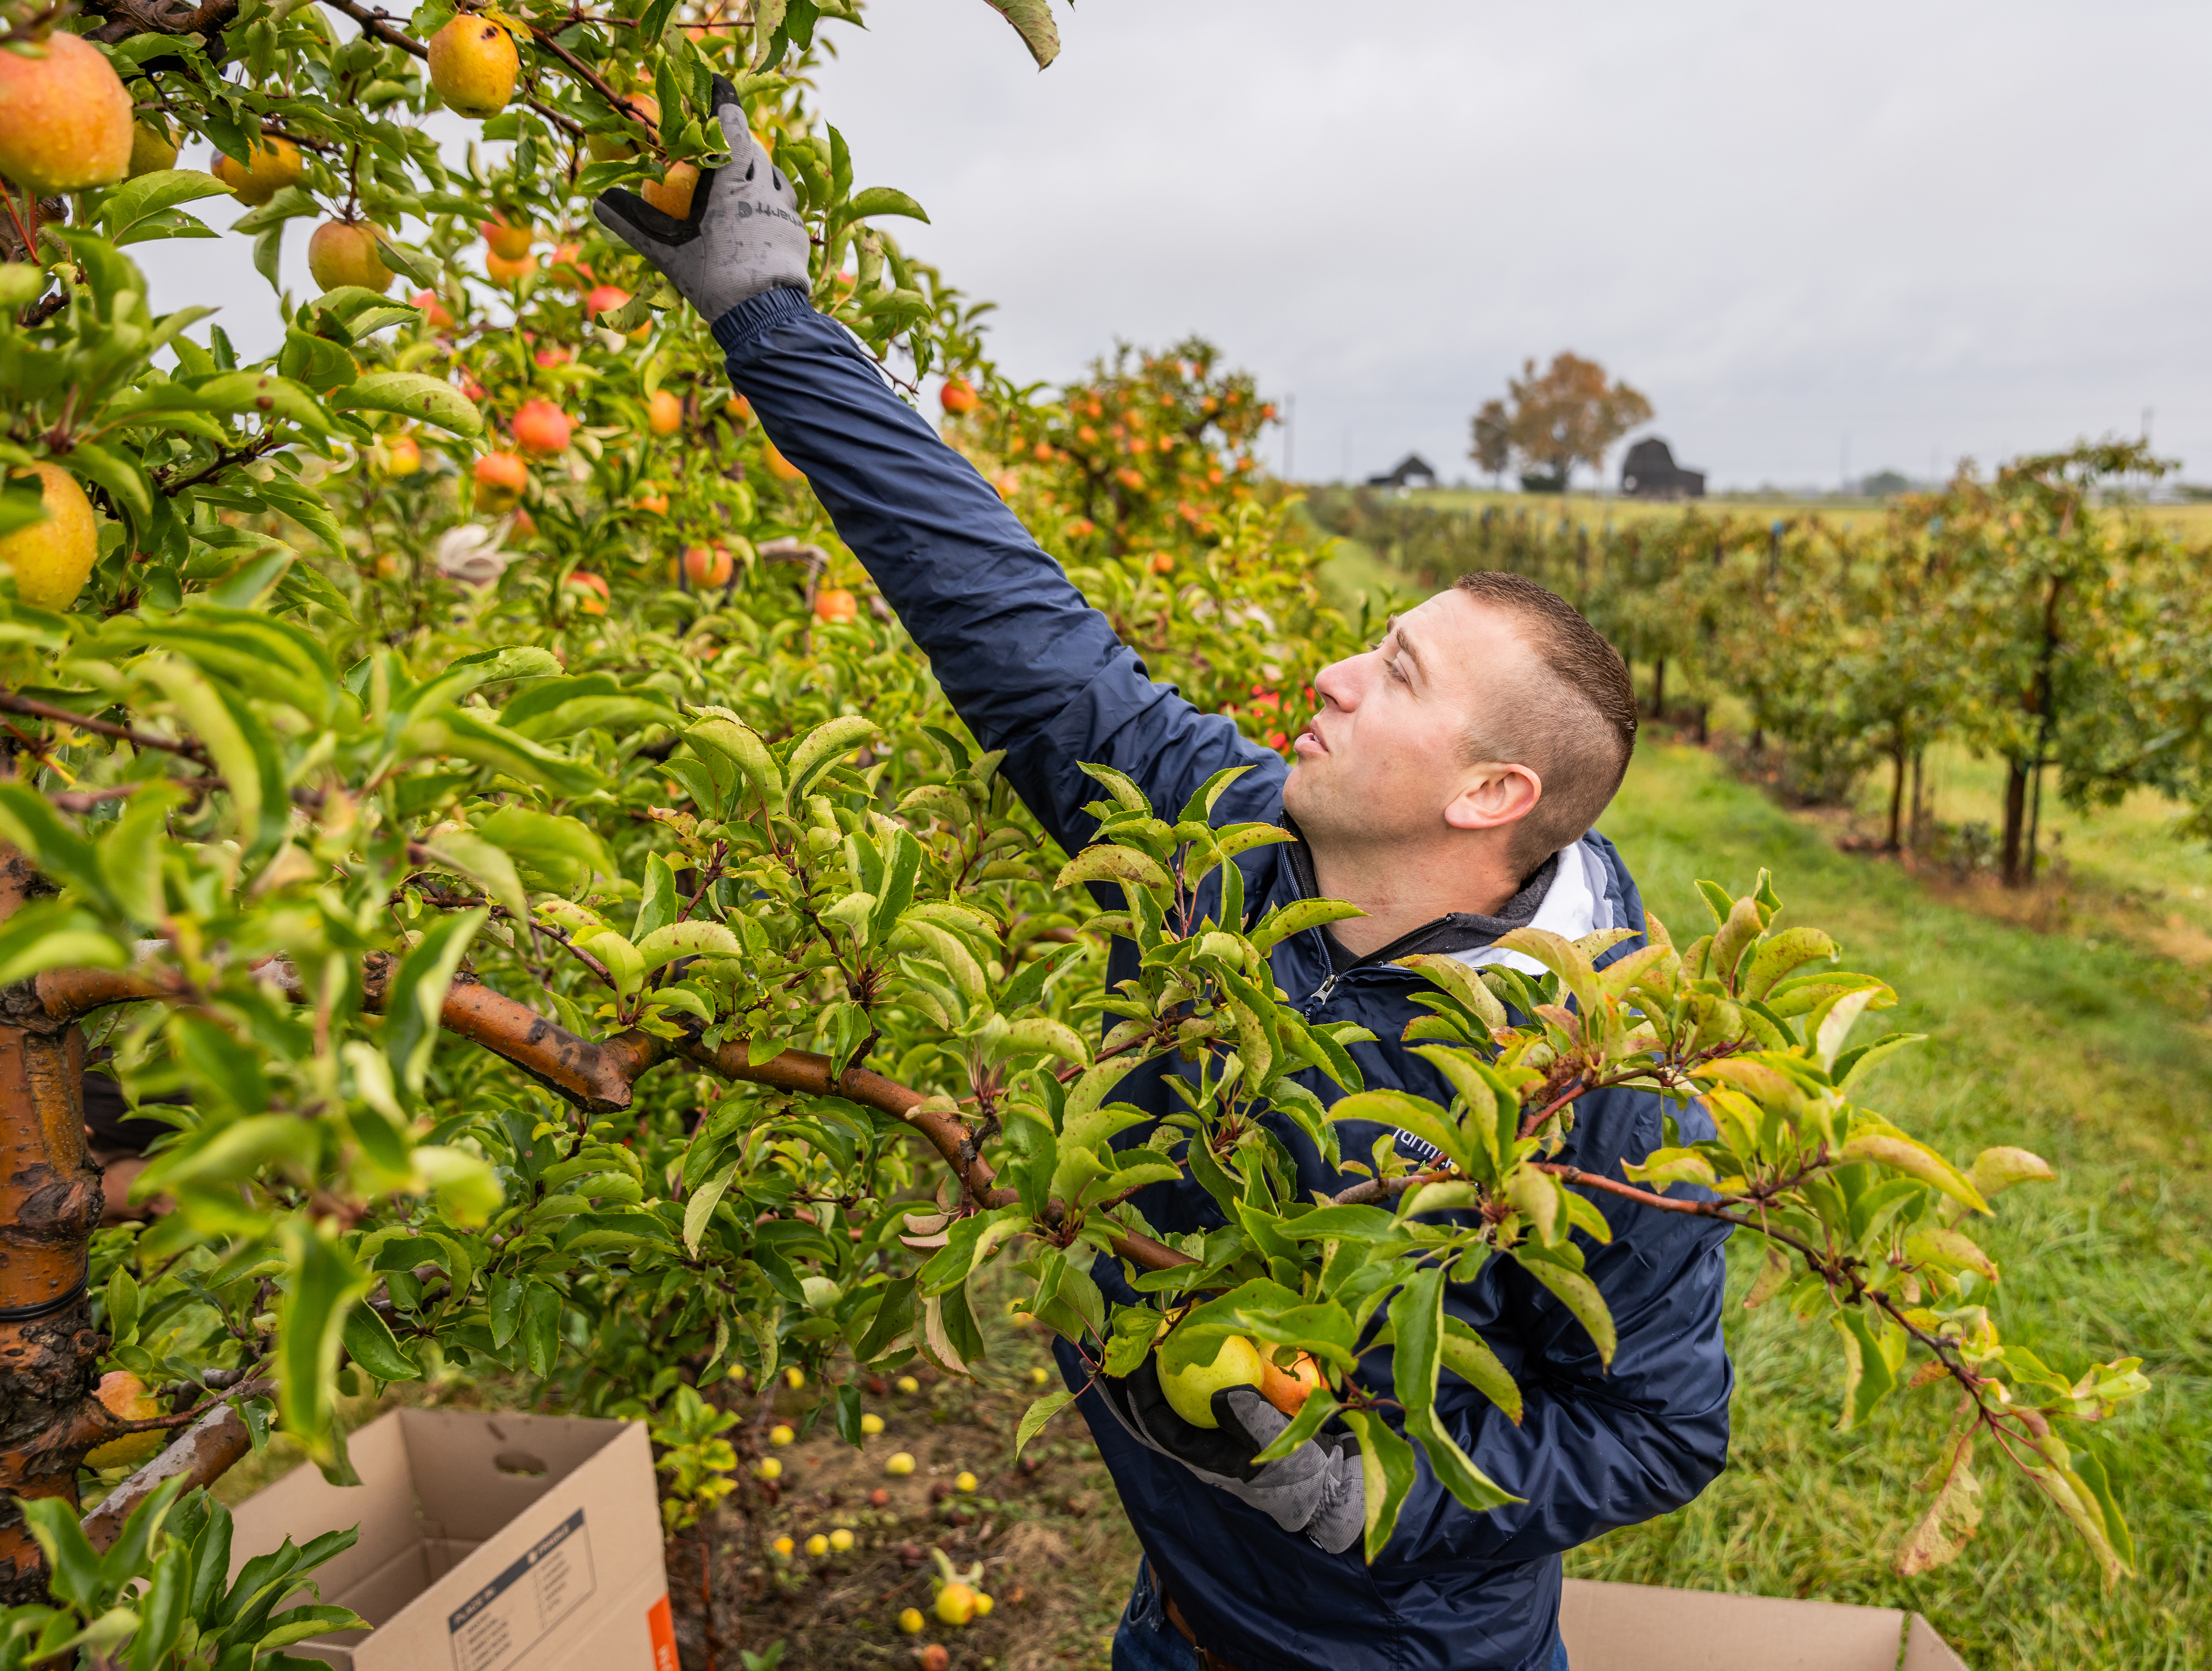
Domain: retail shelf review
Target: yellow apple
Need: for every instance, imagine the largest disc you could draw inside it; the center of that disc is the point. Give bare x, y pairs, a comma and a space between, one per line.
473, 64
344, 252
672, 193
65, 118
51, 558
1190, 1387
152, 149
275, 164
127, 1399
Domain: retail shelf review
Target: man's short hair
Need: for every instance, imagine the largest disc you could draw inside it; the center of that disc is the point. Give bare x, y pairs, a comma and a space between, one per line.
1571, 718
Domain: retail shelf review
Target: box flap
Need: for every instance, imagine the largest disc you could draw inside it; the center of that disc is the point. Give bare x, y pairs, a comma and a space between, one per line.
1640, 1627
303, 1505
1924, 1650
475, 1471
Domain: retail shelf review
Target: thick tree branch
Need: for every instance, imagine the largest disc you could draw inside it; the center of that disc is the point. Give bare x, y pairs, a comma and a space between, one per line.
202, 1454
126, 18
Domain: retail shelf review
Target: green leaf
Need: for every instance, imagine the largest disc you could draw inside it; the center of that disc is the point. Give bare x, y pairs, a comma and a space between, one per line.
1284, 920
699, 1208
1354, 1222
1462, 983
1468, 1356
368, 1340
1578, 1294
657, 904
275, 398
1780, 954
1414, 1115
1893, 1149
1388, 1473
1102, 862
310, 1324
894, 1317
687, 939
407, 259
483, 862
883, 200
409, 394
465, 736
1032, 21
122, 207
75, 1568
554, 853
416, 993
1417, 1319
1039, 1412
1873, 1353
1562, 956
1455, 1470
741, 745
822, 748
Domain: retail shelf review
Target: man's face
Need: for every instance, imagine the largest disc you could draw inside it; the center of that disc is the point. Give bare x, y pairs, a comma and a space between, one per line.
1383, 762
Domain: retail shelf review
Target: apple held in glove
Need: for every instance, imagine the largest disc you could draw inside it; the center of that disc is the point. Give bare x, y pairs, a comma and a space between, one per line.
1316, 1490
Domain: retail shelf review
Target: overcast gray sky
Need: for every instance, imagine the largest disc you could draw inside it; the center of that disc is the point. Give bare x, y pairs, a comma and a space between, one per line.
1969, 228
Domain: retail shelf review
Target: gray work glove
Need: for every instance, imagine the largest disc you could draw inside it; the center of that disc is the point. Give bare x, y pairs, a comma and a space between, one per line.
743, 236
1317, 1489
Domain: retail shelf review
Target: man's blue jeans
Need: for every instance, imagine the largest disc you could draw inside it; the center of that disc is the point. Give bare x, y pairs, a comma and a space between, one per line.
1145, 1641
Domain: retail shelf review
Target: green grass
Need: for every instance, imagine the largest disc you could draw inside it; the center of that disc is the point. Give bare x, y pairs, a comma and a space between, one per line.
2094, 1052
2125, 857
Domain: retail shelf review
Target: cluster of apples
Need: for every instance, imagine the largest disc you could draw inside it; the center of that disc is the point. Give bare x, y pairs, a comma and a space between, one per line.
1190, 1386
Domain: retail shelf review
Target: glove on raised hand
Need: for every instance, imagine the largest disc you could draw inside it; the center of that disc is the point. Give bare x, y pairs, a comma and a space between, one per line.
743, 236
1317, 1489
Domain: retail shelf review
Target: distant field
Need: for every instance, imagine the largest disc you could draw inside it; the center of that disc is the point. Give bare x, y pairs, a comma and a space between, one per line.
1595, 511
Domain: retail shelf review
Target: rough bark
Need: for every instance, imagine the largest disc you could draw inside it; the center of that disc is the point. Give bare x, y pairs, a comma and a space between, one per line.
50, 1205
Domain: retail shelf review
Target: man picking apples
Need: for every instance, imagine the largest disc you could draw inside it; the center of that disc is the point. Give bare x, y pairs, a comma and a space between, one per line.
1447, 786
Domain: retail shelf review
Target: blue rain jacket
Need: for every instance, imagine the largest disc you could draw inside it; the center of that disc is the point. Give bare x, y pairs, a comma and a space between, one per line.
1035, 670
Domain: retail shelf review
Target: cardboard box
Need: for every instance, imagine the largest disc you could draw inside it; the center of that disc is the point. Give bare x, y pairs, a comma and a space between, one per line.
489, 1542
1638, 1628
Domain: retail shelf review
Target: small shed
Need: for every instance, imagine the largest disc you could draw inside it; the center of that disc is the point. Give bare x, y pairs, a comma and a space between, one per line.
1411, 472
1649, 472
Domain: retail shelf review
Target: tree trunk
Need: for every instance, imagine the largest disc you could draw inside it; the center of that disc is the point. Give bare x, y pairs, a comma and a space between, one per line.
50, 1205
1919, 802
1896, 797
1659, 688
2016, 823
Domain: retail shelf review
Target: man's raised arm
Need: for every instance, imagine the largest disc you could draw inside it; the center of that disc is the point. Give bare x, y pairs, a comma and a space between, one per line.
1030, 666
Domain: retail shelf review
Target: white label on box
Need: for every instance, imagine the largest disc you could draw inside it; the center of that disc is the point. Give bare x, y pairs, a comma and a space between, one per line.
505, 1619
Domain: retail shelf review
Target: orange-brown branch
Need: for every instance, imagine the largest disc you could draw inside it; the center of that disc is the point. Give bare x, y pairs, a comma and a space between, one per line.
599, 1076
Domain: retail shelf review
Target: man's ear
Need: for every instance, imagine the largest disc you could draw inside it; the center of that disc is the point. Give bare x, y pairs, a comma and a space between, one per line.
1494, 795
